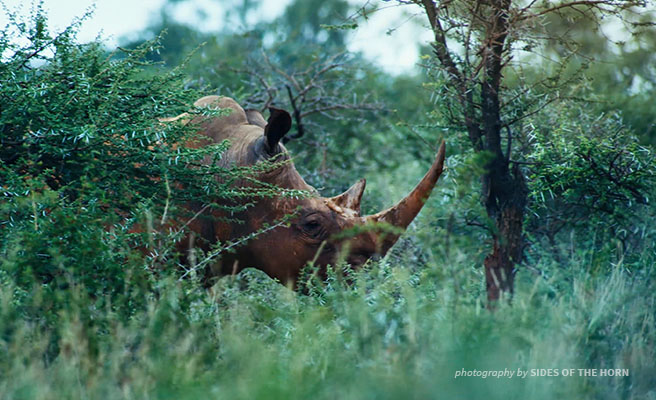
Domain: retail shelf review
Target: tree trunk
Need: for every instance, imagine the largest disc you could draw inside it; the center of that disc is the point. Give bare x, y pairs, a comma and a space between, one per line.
506, 198
504, 192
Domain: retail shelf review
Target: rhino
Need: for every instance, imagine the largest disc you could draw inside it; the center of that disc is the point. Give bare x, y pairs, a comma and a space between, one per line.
318, 230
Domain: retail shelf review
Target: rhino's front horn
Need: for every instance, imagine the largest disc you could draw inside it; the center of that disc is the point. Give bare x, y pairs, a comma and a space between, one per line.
401, 214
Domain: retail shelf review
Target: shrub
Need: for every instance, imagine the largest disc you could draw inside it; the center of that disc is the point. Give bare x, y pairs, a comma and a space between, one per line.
591, 183
89, 176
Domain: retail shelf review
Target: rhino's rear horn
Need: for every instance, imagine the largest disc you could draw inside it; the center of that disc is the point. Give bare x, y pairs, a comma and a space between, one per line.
352, 197
279, 123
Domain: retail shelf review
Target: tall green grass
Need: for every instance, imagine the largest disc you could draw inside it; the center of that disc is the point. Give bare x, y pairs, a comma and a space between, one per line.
392, 333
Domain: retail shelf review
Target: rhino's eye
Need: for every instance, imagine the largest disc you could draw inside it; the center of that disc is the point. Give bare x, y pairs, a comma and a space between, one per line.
311, 226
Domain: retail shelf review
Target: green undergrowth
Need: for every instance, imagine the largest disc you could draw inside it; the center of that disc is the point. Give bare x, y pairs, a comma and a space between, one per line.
389, 334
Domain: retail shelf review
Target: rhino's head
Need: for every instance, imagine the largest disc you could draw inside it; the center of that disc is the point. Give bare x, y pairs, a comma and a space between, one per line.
323, 229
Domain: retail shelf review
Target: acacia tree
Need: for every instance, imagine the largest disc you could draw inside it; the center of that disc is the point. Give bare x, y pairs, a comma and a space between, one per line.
475, 46
90, 176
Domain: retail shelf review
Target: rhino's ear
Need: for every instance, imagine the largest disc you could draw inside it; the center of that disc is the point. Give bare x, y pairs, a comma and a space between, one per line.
255, 118
352, 197
279, 123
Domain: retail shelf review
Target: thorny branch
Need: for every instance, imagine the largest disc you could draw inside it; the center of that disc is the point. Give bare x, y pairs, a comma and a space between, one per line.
317, 89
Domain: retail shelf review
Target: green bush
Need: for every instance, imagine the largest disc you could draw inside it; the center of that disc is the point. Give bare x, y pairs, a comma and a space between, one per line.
591, 184
88, 173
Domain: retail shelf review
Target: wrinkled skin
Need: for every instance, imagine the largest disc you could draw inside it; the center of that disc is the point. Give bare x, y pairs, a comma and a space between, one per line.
314, 232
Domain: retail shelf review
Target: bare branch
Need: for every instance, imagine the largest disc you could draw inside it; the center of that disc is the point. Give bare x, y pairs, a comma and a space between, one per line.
441, 48
300, 131
592, 4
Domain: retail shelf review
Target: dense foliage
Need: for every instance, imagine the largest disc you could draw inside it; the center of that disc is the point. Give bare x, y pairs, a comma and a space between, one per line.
90, 177
91, 180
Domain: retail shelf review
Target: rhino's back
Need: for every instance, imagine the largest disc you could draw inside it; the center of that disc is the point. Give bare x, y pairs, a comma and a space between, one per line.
227, 126
235, 127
